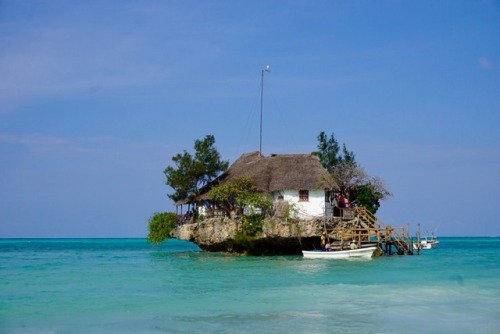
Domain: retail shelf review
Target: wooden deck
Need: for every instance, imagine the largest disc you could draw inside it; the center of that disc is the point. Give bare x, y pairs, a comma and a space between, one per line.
362, 227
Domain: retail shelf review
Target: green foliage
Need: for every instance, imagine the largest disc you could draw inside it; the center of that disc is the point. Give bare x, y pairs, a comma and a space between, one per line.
207, 161
160, 225
328, 150
181, 178
243, 240
191, 172
290, 211
252, 225
347, 157
367, 197
329, 153
350, 177
242, 193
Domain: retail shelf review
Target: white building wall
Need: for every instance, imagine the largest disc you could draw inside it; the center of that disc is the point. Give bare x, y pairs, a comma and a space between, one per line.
315, 207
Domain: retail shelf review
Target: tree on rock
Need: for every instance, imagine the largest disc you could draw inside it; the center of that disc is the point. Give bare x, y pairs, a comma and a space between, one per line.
329, 153
351, 178
192, 172
241, 194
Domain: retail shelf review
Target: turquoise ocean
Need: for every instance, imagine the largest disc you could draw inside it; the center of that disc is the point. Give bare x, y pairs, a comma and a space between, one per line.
130, 286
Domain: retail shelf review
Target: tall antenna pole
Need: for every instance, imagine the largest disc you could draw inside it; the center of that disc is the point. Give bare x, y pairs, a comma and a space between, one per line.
265, 69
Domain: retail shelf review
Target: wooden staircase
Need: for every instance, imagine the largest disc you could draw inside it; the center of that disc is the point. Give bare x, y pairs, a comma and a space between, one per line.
362, 227
386, 235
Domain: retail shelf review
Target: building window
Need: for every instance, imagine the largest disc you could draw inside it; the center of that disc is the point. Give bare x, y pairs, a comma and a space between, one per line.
303, 195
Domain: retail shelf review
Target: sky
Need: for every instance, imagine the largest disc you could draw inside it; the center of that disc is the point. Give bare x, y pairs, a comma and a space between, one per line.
96, 97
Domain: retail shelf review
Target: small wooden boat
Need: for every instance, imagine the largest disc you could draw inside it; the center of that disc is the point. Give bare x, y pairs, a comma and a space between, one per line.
363, 253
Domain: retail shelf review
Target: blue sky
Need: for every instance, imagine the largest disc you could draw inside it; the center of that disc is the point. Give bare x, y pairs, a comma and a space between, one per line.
97, 96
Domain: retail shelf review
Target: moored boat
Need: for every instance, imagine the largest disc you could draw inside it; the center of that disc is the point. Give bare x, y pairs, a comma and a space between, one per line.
363, 253
426, 243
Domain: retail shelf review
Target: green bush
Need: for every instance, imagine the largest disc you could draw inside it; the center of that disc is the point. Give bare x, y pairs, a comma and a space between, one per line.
252, 225
243, 193
243, 240
160, 225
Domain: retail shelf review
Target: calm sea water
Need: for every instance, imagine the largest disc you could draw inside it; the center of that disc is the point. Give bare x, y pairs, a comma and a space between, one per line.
130, 286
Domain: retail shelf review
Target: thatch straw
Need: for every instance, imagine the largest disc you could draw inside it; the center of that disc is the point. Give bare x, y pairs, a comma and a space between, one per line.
278, 172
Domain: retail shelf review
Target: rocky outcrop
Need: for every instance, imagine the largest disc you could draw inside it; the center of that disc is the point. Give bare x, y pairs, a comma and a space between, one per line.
277, 236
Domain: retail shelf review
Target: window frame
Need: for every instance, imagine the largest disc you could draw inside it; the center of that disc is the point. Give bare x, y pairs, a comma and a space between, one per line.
303, 195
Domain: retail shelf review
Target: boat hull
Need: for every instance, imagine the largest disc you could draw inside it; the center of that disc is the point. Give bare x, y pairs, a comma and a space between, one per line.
426, 244
363, 253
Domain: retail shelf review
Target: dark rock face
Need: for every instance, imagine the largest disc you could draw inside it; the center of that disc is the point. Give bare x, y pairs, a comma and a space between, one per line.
263, 246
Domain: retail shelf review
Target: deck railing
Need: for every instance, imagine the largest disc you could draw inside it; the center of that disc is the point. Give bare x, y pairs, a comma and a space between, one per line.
365, 227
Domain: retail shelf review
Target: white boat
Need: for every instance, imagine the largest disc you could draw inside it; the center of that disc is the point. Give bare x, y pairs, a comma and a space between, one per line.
363, 253
426, 243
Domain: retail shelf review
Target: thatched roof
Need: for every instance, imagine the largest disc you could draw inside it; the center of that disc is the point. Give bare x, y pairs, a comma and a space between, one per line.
279, 172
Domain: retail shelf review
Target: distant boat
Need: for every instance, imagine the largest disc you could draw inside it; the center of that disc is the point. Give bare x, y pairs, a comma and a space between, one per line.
359, 253
426, 243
